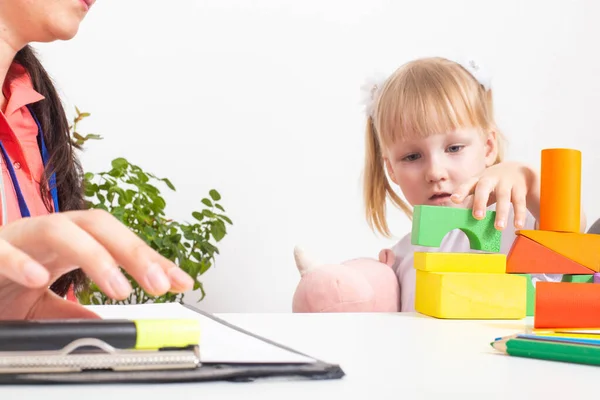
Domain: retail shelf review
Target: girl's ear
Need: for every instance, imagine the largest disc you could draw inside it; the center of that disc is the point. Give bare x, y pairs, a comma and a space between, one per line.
491, 148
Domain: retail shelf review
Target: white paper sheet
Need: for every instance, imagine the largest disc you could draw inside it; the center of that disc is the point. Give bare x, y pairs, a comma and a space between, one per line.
218, 342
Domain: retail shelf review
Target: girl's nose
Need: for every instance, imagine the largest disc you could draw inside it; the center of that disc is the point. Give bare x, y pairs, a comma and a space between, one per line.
435, 173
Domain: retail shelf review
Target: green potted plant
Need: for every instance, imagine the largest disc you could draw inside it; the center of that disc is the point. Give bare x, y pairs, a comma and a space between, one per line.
133, 196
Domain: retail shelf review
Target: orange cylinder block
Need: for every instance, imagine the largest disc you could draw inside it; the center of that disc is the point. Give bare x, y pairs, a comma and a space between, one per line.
560, 192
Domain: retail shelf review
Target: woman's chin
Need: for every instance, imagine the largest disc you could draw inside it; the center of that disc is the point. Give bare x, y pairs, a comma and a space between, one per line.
64, 28
67, 33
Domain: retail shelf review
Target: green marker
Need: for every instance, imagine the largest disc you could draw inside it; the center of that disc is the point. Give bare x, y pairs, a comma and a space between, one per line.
550, 350
144, 334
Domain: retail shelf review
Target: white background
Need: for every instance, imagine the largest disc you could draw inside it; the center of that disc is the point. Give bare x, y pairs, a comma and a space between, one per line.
260, 100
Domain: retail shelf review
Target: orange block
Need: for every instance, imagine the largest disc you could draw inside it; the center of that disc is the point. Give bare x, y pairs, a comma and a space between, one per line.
529, 257
566, 305
560, 190
583, 248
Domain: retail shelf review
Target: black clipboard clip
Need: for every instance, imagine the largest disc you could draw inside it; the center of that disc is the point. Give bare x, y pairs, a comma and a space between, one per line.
92, 354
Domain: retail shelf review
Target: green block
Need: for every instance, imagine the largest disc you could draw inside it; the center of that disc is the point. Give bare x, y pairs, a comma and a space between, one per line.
431, 223
530, 308
566, 278
578, 278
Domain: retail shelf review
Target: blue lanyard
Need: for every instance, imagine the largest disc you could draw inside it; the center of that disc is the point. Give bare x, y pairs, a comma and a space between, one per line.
41, 143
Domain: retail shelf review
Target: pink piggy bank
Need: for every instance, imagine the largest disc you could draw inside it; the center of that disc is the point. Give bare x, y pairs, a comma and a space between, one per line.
357, 285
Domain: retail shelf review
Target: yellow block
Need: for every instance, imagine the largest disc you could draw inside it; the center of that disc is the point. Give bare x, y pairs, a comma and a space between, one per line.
460, 262
458, 295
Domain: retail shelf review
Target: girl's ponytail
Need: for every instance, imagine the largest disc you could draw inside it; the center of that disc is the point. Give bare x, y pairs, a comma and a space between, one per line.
376, 185
374, 182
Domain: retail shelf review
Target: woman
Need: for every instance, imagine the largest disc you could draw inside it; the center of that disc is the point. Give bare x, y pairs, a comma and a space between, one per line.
48, 244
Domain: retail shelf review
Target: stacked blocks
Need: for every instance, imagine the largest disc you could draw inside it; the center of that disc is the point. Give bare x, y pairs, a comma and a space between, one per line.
489, 285
559, 247
464, 285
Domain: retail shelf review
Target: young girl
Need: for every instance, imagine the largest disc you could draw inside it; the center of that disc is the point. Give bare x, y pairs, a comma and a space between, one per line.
47, 242
431, 129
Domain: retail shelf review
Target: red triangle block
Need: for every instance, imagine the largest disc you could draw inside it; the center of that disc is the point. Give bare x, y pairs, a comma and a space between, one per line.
529, 257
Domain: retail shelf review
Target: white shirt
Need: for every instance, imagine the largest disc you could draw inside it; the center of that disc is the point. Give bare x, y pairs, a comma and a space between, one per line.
455, 241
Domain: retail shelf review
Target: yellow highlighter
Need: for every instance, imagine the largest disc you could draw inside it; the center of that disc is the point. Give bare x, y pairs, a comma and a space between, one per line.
157, 334
142, 334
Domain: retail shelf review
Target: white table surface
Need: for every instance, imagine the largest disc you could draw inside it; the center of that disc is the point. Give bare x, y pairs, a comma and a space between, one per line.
385, 356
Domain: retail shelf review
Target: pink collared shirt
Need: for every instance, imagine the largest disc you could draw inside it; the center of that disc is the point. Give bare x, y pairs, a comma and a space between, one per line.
18, 133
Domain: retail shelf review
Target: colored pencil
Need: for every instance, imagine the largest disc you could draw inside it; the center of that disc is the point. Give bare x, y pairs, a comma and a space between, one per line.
591, 331
553, 338
589, 334
549, 350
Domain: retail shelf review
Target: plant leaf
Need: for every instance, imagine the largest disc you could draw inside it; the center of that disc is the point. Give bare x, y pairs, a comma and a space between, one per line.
224, 218
119, 163
168, 183
218, 230
198, 216
207, 202
214, 195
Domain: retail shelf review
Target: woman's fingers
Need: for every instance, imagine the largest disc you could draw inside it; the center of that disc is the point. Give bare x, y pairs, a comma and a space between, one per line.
93, 240
50, 306
72, 245
19, 267
155, 273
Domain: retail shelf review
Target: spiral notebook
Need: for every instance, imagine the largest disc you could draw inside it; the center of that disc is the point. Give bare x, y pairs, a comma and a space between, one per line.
225, 353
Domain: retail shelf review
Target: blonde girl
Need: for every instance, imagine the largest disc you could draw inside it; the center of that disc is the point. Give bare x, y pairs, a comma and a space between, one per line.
431, 132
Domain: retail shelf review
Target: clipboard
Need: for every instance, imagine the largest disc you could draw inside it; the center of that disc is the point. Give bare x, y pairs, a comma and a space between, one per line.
92, 361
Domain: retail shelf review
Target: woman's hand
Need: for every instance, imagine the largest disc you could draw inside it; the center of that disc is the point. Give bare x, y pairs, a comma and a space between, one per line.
503, 184
34, 252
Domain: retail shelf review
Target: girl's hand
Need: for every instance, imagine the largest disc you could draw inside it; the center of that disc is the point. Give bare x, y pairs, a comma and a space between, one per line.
34, 252
503, 184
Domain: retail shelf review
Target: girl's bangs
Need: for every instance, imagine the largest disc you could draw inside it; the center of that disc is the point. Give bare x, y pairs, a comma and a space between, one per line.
407, 109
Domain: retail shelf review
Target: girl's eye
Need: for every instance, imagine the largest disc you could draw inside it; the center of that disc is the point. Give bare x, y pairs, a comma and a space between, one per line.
411, 157
455, 149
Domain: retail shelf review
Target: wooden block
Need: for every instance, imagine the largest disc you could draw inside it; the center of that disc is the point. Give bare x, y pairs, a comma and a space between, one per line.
458, 295
560, 190
460, 262
530, 302
566, 305
566, 278
527, 256
582, 248
431, 223
578, 278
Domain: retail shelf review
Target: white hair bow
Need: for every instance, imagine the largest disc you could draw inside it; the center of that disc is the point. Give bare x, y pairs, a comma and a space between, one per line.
478, 71
370, 90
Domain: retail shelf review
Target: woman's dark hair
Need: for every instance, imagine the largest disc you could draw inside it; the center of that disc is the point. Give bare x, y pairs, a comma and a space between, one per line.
62, 159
